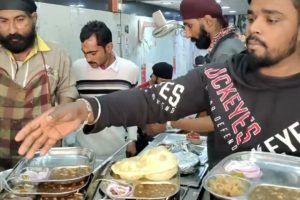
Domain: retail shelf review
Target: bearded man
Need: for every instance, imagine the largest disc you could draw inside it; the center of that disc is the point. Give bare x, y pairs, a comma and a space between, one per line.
34, 74
206, 26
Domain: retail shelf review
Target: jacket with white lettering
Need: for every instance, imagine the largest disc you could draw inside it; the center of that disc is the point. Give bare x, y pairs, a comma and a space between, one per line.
250, 111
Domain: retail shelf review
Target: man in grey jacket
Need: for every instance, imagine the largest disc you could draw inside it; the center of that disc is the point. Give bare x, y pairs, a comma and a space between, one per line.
206, 26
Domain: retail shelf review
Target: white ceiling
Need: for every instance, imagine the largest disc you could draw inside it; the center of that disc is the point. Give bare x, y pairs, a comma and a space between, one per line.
239, 6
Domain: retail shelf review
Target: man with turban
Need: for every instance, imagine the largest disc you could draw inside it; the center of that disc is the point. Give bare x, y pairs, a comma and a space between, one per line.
34, 74
206, 26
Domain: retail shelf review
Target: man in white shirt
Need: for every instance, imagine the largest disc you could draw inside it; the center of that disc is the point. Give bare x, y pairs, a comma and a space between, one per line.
102, 72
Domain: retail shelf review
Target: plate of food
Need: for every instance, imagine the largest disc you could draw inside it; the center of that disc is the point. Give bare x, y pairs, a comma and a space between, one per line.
59, 165
46, 189
255, 175
61, 172
153, 174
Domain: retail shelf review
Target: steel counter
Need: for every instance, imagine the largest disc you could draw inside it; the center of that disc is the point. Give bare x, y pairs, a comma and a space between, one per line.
190, 184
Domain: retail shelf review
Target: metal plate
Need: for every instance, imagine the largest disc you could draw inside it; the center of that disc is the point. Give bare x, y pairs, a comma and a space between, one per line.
276, 170
194, 180
3, 175
8, 196
109, 178
56, 159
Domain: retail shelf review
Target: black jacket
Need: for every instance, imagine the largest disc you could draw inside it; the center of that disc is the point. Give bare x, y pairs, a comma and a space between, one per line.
250, 111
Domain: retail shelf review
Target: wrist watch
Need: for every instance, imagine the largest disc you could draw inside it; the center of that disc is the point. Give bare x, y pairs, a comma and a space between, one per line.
168, 126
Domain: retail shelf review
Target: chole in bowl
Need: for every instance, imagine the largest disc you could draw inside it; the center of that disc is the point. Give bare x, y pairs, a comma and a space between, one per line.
226, 186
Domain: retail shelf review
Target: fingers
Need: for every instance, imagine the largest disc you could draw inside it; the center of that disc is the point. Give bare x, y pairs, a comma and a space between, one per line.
44, 131
37, 145
38, 140
30, 127
28, 141
48, 145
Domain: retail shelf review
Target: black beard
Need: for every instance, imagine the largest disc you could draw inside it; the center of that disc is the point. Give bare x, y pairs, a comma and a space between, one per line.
22, 43
256, 63
204, 40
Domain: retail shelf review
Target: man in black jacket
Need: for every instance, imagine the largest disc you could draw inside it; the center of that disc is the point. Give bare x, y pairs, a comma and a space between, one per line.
253, 98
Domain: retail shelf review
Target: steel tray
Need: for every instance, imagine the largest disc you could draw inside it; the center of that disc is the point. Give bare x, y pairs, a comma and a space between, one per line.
3, 175
44, 189
109, 177
56, 159
278, 170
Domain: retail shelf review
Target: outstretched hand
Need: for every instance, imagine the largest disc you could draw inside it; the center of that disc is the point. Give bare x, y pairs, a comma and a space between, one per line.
44, 132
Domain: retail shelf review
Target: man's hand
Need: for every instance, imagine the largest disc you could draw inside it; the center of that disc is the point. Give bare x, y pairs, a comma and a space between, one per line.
44, 131
154, 129
131, 149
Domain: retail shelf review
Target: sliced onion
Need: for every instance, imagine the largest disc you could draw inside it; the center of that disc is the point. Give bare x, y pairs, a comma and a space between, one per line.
248, 169
34, 176
253, 175
252, 168
117, 190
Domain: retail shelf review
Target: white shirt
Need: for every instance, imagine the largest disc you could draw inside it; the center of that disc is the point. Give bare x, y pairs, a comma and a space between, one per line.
122, 74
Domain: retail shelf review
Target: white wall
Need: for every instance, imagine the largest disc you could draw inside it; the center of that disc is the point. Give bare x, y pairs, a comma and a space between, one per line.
62, 24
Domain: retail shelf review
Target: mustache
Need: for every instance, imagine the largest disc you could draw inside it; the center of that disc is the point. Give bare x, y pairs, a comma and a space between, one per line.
256, 39
15, 37
92, 63
193, 39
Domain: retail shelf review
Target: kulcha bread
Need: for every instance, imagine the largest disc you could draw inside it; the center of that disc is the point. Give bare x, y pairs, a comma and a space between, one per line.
154, 164
162, 176
128, 169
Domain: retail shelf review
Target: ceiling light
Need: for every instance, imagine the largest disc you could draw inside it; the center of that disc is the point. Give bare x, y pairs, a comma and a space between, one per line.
225, 7
166, 2
232, 11
120, 6
218, 1
77, 5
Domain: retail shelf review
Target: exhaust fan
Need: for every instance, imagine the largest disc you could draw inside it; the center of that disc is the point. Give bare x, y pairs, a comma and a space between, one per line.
162, 27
